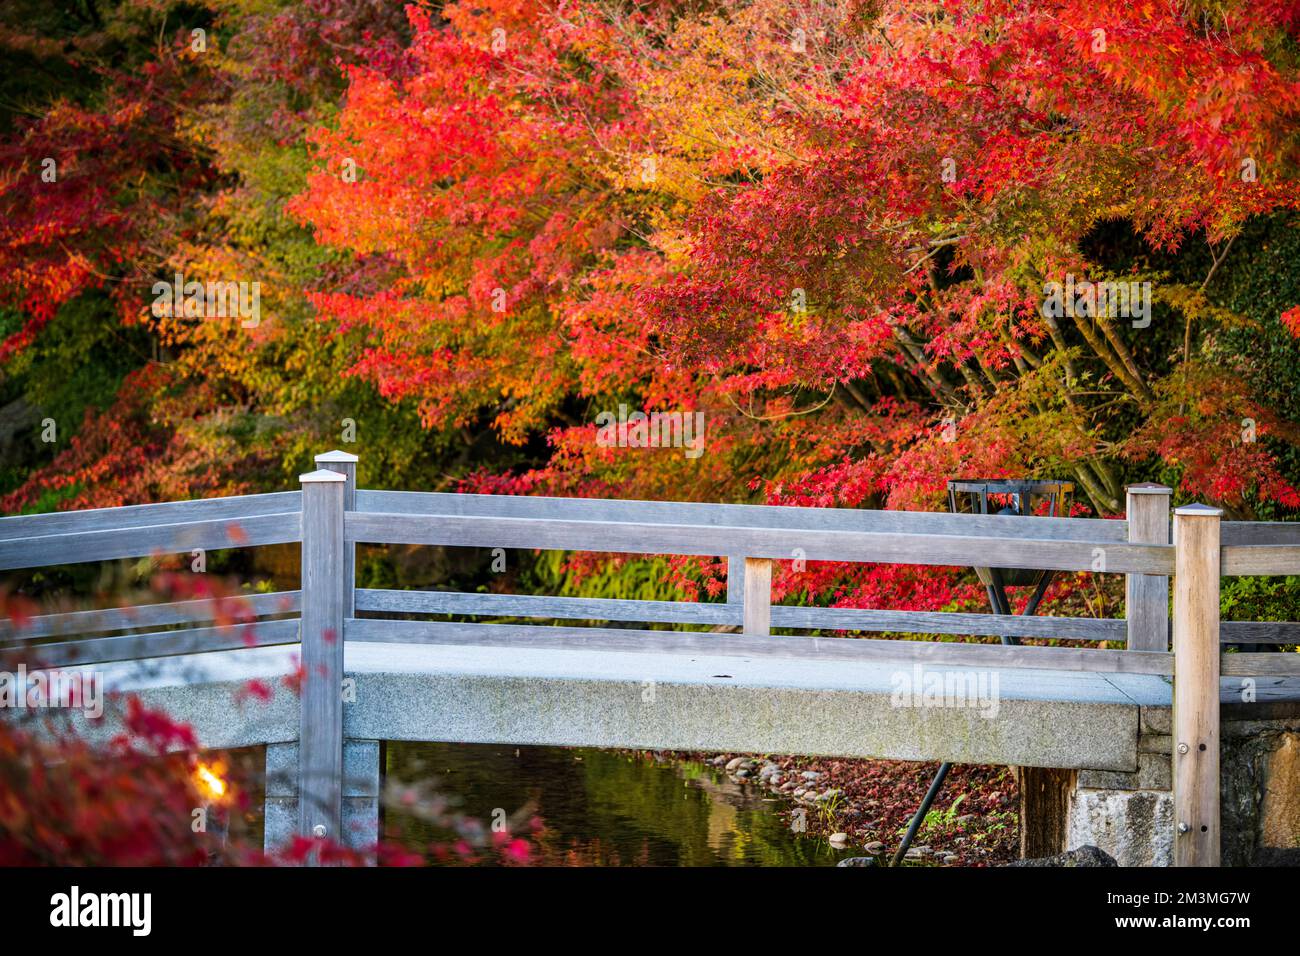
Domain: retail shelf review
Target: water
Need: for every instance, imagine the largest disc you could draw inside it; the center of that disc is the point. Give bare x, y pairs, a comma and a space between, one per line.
608, 808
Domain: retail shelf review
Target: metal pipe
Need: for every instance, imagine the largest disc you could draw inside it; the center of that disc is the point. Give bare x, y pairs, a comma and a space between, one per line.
915, 825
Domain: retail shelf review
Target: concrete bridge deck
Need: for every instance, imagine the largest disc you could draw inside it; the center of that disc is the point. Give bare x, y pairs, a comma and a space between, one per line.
1113, 728
620, 698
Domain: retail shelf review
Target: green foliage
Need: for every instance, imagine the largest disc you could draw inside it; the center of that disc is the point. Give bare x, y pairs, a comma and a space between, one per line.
648, 579
77, 363
1260, 599
937, 822
49, 500
1260, 283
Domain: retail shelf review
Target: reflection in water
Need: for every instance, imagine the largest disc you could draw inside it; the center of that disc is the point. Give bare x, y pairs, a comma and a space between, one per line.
607, 808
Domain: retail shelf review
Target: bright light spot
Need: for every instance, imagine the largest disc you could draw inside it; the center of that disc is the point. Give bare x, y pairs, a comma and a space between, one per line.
210, 781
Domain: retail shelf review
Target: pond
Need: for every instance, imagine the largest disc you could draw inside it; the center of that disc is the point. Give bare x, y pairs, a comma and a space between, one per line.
609, 808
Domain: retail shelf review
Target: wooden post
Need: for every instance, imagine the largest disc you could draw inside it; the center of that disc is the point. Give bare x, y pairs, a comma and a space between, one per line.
1196, 686
1044, 810
320, 732
758, 596
346, 465
1147, 595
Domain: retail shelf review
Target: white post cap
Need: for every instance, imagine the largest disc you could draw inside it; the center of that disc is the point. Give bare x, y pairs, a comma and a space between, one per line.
1149, 488
321, 475
335, 457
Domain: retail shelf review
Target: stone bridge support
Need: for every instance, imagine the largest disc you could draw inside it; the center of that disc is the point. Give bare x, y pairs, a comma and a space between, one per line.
362, 779
1131, 815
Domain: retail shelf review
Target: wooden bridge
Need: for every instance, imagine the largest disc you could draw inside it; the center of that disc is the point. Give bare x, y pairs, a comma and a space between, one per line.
466, 677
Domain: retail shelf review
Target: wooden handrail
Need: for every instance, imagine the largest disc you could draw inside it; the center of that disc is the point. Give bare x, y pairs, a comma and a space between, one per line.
702, 514
236, 508
106, 544
758, 542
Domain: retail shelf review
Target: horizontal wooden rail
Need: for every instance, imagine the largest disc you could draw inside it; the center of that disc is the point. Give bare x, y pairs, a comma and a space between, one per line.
1274, 664
1234, 533
794, 647
786, 616
769, 543
1259, 632
1263, 559
948, 622
435, 504
235, 609
142, 516
560, 608
129, 647
105, 545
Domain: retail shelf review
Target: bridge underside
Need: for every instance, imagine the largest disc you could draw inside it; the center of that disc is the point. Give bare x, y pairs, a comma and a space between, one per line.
621, 698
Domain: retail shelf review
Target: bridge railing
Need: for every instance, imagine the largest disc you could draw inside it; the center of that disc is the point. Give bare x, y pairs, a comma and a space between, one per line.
104, 534
752, 537
329, 517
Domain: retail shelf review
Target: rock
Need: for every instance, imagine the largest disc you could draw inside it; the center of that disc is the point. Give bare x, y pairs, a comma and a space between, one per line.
839, 838
875, 848
1083, 856
774, 780
949, 859
800, 792
914, 854
743, 774
1134, 827
829, 795
858, 861
1279, 811
810, 775
734, 764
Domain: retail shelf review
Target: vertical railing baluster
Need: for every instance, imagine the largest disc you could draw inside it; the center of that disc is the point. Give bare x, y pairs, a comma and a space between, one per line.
736, 582
758, 597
